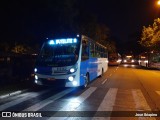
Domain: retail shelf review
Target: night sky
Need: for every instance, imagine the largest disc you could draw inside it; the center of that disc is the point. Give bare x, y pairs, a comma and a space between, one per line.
22, 18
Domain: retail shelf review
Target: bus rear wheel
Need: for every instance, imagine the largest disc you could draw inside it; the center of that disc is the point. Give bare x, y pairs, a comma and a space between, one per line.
102, 73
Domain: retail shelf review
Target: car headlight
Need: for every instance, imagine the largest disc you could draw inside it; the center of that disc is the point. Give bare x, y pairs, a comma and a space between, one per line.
125, 60
132, 61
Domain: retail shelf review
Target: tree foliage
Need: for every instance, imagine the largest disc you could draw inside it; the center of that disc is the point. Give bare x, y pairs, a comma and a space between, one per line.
150, 37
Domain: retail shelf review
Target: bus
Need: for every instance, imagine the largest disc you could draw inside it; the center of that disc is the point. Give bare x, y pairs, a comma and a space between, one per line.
114, 59
70, 62
150, 59
129, 59
143, 60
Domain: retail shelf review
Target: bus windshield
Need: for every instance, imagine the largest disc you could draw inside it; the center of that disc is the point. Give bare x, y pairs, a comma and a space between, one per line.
58, 55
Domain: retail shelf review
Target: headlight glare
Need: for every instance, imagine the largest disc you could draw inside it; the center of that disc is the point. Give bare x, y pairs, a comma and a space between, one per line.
35, 69
74, 83
70, 78
72, 70
36, 77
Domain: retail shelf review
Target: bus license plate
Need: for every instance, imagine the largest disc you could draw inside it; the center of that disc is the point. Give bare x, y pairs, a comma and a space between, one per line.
61, 68
51, 79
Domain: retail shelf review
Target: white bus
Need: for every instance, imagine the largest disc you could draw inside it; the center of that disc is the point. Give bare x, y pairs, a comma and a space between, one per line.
150, 60
70, 62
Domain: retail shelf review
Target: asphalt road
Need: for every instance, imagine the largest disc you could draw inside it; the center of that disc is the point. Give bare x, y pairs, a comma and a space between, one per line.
126, 92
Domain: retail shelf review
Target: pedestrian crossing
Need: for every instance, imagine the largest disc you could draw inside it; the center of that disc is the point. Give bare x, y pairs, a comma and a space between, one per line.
112, 99
17, 101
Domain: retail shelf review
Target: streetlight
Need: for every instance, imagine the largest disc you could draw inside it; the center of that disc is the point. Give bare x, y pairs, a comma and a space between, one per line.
158, 2
157, 6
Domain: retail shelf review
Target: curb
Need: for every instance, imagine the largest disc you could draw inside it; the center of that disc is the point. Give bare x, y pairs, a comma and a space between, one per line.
13, 93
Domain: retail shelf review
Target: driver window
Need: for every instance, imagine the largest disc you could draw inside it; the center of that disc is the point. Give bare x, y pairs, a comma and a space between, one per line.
85, 50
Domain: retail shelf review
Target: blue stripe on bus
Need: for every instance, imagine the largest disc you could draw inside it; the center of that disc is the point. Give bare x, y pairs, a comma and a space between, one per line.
89, 66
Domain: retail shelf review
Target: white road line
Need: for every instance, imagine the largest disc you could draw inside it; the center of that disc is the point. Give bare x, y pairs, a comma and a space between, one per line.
17, 101
117, 68
75, 103
109, 100
49, 100
141, 103
108, 103
104, 81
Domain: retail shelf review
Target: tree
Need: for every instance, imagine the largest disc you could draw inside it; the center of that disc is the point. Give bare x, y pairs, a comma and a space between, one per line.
151, 36
146, 38
103, 37
156, 37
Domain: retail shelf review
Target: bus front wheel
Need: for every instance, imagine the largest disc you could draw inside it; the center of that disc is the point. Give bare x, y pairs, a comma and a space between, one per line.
86, 81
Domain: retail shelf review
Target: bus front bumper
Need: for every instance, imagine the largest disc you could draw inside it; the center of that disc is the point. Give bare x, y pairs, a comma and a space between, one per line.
58, 81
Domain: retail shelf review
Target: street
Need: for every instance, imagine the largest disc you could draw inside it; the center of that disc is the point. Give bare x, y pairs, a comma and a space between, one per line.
125, 92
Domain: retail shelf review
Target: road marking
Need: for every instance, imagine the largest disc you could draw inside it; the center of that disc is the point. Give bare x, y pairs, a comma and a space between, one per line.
104, 81
158, 92
17, 101
109, 100
117, 68
49, 100
75, 103
108, 103
141, 103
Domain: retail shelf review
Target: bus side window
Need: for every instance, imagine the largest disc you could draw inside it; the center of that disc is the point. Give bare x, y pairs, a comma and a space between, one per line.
91, 49
85, 50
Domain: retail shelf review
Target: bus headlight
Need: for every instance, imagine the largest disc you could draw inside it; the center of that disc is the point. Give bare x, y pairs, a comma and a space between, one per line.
132, 61
72, 70
36, 81
36, 77
74, 83
70, 78
118, 61
35, 69
146, 61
